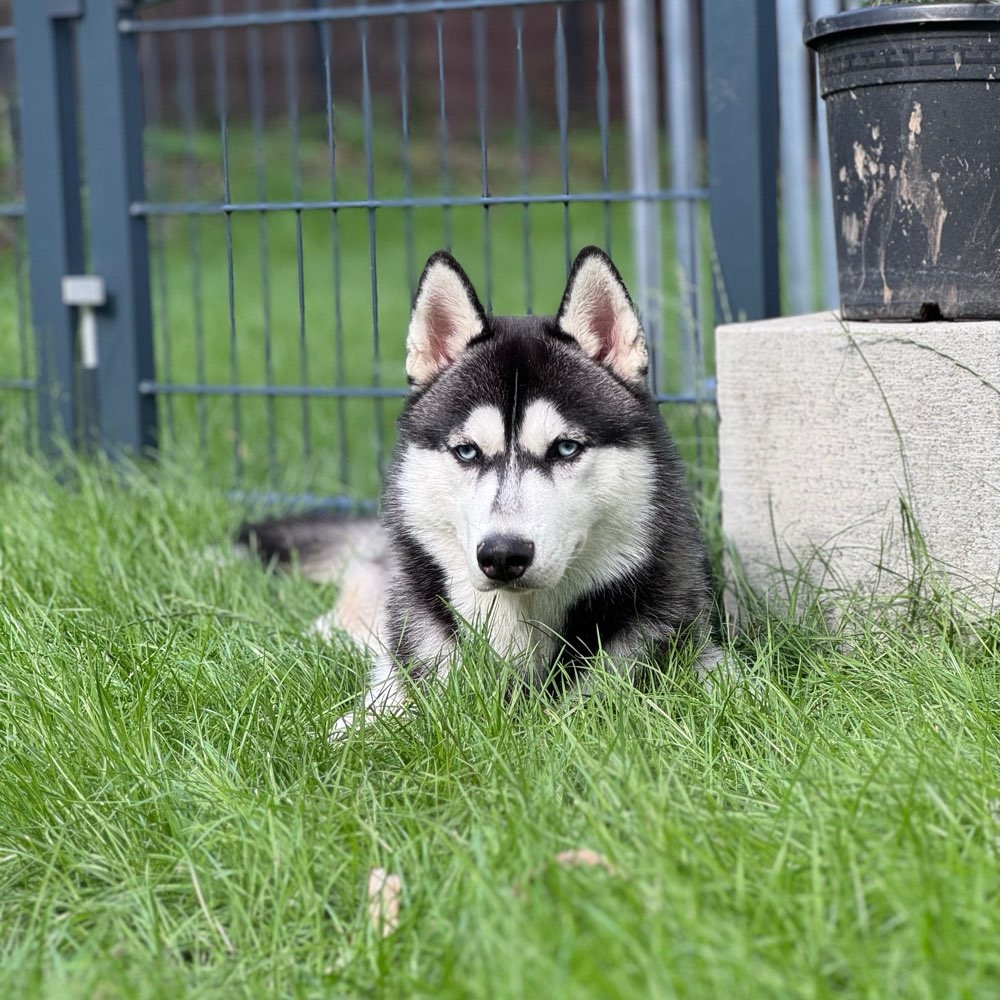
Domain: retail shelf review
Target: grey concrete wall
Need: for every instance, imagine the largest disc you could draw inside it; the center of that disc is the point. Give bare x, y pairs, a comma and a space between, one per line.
828, 428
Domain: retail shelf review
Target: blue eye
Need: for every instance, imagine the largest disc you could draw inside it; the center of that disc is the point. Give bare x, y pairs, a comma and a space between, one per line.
565, 448
466, 452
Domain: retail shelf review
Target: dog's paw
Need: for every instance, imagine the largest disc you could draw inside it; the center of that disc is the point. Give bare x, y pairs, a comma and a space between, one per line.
340, 729
326, 627
353, 721
711, 660
724, 670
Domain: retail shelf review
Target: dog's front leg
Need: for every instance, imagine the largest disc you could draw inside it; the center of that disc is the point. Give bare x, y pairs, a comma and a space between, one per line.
631, 654
386, 695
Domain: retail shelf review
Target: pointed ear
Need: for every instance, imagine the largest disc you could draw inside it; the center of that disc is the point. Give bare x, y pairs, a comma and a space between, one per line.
597, 312
446, 316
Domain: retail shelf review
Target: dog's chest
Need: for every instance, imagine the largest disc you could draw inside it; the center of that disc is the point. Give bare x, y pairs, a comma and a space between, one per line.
522, 626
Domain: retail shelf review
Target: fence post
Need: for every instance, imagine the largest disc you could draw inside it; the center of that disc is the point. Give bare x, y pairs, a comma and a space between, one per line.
111, 114
793, 144
53, 219
643, 127
828, 238
742, 112
679, 76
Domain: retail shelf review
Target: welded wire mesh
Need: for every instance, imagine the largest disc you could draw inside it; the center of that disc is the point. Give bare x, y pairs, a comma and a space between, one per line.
302, 161
17, 369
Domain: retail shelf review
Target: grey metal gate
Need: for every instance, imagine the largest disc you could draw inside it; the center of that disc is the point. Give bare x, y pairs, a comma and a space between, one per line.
255, 187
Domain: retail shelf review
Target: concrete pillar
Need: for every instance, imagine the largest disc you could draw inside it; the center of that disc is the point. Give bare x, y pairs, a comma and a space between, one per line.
862, 454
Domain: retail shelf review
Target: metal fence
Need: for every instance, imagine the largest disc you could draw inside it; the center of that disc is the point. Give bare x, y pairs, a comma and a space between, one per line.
17, 382
257, 185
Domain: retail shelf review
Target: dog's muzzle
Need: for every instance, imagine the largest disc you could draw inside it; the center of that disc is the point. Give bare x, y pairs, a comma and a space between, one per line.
504, 558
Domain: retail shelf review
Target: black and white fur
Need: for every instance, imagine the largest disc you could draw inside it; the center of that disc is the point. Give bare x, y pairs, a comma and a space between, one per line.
534, 492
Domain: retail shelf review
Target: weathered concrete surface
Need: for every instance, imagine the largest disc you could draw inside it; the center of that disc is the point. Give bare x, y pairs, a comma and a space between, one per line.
828, 428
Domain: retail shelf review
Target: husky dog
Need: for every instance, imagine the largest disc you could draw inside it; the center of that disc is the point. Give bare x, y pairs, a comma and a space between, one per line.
534, 493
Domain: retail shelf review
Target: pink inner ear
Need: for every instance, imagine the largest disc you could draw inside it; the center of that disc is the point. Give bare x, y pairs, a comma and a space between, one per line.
440, 330
604, 323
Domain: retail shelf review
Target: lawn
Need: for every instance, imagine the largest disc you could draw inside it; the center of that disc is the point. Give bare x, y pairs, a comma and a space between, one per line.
173, 821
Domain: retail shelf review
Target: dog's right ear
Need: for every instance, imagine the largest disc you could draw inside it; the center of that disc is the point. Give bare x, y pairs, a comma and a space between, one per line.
446, 316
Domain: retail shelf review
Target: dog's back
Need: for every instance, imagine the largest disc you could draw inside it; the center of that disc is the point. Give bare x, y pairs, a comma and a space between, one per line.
352, 553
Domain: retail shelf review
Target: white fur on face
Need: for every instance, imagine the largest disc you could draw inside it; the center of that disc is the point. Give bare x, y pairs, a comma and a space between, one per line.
542, 425
586, 521
443, 321
483, 427
602, 320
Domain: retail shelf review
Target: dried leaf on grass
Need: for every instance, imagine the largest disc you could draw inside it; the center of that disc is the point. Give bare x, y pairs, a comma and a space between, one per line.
583, 857
385, 891
577, 857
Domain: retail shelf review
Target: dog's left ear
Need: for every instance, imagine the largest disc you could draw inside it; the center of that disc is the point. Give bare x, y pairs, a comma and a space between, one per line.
446, 315
597, 312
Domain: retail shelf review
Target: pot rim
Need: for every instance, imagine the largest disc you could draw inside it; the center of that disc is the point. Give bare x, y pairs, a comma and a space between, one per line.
816, 33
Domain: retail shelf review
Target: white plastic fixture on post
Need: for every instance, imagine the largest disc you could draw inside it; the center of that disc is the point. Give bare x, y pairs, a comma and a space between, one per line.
87, 292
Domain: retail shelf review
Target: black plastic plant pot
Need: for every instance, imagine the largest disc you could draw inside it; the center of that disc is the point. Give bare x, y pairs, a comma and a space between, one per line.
912, 98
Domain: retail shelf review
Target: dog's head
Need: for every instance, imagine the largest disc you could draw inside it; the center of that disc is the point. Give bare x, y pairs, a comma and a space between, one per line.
524, 455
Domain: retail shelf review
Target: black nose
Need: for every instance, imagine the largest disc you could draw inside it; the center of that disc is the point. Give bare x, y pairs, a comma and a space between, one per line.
504, 557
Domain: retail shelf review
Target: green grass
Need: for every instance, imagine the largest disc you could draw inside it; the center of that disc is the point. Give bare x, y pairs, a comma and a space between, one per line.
173, 821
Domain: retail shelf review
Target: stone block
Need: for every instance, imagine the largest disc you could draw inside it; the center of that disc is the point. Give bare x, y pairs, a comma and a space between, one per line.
860, 453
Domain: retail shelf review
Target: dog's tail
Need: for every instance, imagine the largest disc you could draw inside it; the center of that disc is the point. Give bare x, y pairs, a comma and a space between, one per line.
320, 544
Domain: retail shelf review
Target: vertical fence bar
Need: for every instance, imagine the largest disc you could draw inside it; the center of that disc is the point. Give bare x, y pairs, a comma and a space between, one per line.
112, 134
794, 145
402, 33
604, 119
258, 98
8, 90
828, 239
368, 113
683, 132
291, 67
479, 47
562, 117
21, 311
219, 59
642, 123
53, 219
444, 157
326, 40
741, 106
18, 248
150, 54
524, 155
185, 96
